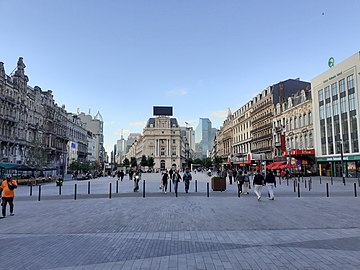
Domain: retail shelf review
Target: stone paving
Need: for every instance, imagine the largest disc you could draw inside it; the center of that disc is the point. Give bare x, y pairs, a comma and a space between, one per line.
191, 231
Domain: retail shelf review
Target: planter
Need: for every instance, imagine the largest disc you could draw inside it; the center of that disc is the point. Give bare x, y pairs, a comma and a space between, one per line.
218, 183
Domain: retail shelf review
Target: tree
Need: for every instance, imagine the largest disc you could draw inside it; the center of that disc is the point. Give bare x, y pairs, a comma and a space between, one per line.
217, 161
151, 162
189, 161
143, 161
197, 161
207, 162
133, 162
126, 162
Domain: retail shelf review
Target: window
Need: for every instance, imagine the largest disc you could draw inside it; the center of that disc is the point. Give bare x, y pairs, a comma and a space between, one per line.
350, 82
342, 85
334, 89
321, 96
352, 102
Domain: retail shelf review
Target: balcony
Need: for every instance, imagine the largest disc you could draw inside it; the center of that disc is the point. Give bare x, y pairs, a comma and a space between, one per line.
267, 126
262, 118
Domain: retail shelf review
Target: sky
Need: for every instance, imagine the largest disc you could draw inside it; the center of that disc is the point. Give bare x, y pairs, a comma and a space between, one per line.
122, 57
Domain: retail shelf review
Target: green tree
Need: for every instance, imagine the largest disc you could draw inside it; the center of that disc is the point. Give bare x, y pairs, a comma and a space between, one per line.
144, 161
198, 161
189, 161
217, 161
151, 162
126, 162
207, 162
133, 162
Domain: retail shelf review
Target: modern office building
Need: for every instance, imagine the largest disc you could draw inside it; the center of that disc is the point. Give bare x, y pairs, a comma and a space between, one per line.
335, 96
204, 138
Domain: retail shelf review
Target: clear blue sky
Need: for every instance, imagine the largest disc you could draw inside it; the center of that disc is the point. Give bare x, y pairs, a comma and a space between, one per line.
201, 57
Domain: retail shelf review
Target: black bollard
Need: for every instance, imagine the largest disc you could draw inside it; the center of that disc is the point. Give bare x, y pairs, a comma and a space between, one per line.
294, 186
344, 181
327, 189
195, 185
287, 181
117, 186
332, 181
60, 187
170, 186
355, 193
39, 197
320, 179
298, 190
89, 187
75, 191
109, 190
238, 191
144, 188
207, 189
305, 183
298, 177
309, 185
30, 189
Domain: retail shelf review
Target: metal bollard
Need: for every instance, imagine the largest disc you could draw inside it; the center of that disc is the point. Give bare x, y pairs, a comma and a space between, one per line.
294, 186
305, 183
327, 189
30, 189
238, 191
195, 185
170, 186
144, 188
60, 187
298, 190
355, 193
117, 186
320, 179
75, 191
207, 189
89, 187
287, 181
332, 181
309, 185
110, 190
39, 197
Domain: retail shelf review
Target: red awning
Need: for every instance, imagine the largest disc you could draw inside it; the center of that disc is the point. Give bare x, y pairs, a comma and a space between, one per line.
275, 165
287, 166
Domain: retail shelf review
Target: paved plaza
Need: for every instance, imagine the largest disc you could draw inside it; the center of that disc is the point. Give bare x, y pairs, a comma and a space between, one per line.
191, 231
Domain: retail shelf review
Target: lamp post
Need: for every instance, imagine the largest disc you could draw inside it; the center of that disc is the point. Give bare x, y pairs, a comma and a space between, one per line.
342, 161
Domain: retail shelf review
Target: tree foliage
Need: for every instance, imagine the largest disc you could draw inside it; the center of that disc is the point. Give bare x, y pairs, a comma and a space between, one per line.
133, 162
207, 162
126, 162
198, 161
144, 161
151, 162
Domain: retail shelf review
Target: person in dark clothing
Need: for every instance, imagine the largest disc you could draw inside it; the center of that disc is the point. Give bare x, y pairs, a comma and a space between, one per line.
270, 183
240, 181
165, 178
187, 178
176, 179
122, 175
258, 183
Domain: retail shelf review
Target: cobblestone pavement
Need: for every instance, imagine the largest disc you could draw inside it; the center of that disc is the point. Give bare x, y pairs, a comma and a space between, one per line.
191, 231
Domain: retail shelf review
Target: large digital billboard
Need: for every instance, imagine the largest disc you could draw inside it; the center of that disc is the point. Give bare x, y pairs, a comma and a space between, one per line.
163, 110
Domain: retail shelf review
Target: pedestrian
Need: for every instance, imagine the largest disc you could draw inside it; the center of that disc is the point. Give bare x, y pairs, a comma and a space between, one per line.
7, 192
258, 183
131, 173
270, 183
171, 172
165, 178
176, 179
187, 178
118, 175
137, 178
230, 173
122, 175
240, 181
246, 182
283, 174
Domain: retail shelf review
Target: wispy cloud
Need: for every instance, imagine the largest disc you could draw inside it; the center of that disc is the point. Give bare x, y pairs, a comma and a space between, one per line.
177, 92
219, 114
137, 124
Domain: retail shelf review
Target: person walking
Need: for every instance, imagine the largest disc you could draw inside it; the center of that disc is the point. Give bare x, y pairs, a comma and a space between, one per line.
7, 192
246, 182
165, 178
187, 178
230, 173
258, 184
137, 178
240, 181
131, 172
176, 179
270, 183
122, 175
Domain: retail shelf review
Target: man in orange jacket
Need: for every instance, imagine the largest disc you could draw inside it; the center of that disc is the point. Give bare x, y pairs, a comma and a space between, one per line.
8, 193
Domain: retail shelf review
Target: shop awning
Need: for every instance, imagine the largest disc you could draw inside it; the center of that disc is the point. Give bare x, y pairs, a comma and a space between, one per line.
275, 165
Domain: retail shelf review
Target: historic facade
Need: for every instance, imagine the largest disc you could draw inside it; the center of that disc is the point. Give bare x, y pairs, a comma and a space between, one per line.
34, 130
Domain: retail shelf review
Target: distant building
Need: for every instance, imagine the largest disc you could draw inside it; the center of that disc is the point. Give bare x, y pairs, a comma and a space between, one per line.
204, 138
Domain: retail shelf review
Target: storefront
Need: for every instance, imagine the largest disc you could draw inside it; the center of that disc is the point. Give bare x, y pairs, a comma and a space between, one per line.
331, 166
305, 159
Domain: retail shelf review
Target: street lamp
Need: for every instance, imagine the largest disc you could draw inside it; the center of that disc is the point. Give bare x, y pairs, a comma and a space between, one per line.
342, 161
289, 150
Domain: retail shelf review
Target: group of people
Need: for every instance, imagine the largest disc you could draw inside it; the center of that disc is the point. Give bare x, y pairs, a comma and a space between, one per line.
175, 177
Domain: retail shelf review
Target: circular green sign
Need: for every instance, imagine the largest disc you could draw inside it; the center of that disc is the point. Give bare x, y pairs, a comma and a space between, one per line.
331, 62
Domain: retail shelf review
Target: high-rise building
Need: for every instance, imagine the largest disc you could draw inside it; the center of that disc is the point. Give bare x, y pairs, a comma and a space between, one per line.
204, 138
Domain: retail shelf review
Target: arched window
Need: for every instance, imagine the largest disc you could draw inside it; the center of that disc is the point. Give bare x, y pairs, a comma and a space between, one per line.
295, 123
310, 118
300, 121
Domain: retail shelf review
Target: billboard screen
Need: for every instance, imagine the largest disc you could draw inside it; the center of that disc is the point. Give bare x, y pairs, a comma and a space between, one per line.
163, 110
